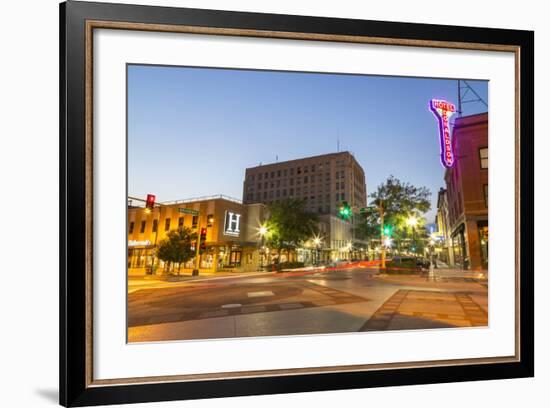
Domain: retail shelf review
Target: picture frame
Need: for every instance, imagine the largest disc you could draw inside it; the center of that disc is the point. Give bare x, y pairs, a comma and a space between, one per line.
78, 384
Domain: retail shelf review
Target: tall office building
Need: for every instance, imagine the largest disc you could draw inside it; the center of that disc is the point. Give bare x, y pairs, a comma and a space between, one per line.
324, 182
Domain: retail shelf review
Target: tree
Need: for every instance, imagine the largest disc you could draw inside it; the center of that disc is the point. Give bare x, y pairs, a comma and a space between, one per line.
393, 203
290, 225
177, 247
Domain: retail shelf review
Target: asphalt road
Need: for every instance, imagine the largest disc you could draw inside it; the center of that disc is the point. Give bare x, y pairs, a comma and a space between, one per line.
347, 300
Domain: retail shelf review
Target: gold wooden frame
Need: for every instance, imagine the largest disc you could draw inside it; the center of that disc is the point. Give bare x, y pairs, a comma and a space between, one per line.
98, 24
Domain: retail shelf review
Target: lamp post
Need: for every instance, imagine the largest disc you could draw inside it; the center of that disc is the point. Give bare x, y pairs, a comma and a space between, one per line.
412, 221
263, 232
317, 243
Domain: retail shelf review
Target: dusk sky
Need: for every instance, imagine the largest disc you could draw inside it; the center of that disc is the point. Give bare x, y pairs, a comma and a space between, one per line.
193, 131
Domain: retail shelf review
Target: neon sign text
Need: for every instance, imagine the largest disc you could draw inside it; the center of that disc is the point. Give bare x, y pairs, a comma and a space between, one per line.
443, 111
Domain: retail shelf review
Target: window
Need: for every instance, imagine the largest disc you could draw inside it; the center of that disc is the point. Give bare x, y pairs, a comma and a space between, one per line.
265, 195
260, 176
313, 167
180, 222
142, 227
284, 193
259, 186
278, 173
131, 230
209, 220
265, 184
484, 157
291, 192
167, 224
299, 170
195, 221
305, 179
284, 172
278, 193
486, 194
292, 172
272, 174
155, 225
278, 183
291, 181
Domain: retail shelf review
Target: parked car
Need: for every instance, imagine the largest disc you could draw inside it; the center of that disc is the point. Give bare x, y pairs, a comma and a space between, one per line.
423, 262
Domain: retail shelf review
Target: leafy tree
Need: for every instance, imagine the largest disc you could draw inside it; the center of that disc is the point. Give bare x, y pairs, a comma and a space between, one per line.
290, 225
393, 203
176, 247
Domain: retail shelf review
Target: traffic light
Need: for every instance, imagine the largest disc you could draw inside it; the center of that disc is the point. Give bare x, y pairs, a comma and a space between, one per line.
345, 210
388, 230
150, 203
203, 240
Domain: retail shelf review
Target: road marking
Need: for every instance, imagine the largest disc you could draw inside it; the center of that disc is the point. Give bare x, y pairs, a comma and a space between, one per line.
260, 294
231, 305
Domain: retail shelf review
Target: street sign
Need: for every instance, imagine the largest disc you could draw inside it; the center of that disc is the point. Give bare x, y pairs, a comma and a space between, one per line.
188, 211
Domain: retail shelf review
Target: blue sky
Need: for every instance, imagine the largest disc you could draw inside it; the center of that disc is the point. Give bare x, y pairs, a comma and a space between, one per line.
193, 131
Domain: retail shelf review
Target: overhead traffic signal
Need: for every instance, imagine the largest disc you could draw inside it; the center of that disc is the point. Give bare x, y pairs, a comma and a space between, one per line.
345, 210
150, 202
388, 230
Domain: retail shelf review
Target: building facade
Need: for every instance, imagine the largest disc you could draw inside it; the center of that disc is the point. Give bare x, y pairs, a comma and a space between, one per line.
467, 193
323, 182
443, 227
232, 239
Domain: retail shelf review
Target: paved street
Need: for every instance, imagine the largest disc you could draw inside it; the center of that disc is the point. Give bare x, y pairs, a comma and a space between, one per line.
303, 302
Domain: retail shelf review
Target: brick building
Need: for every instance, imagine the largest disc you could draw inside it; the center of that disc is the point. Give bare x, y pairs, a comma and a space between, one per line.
467, 193
324, 182
232, 239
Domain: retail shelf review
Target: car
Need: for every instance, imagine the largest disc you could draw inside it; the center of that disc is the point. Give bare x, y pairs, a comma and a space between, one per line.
422, 262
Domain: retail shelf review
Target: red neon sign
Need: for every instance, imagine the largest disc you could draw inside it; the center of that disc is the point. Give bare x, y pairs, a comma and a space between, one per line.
443, 110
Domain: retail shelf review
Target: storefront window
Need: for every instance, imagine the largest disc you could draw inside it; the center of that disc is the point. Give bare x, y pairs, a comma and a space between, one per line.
483, 230
235, 258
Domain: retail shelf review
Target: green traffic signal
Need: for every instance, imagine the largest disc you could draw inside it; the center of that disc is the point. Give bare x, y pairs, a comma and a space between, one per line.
345, 210
388, 230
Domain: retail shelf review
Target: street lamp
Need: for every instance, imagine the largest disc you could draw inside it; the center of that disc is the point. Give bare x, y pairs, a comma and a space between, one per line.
317, 242
412, 221
262, 231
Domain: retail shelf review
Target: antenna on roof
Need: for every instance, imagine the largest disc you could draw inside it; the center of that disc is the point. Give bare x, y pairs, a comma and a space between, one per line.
464, 89
338, 140
276, 158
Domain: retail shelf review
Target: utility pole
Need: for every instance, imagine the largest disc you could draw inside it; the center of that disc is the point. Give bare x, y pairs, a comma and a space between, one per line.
197, 250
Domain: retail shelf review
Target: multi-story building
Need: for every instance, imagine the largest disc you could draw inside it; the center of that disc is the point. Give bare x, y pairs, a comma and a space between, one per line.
467, 192
232, 239
324, 182
443, 228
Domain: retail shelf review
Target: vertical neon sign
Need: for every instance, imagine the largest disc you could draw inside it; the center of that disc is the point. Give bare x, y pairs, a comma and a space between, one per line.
443, 111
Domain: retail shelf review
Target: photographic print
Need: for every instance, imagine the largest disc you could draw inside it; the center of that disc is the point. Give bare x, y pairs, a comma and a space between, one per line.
268, 203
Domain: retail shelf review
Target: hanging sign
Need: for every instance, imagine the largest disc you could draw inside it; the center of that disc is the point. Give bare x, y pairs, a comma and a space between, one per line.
443, 111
